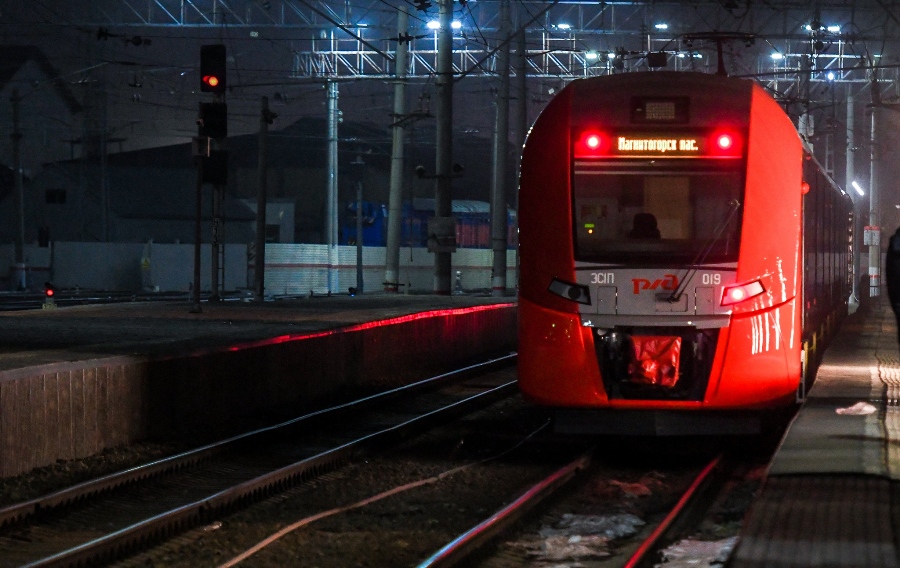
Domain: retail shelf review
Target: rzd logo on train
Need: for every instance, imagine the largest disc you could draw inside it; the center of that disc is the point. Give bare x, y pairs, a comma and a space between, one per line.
667, 282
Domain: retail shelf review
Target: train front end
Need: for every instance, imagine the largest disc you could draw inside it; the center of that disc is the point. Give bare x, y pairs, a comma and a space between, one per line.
660, 219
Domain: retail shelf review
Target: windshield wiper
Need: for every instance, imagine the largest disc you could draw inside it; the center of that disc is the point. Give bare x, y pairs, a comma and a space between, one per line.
705, 252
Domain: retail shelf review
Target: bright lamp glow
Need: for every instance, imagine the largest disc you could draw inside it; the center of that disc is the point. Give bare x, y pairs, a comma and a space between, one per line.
456, 25
858, 189
563, 26
591, 55
740, 292
834, 29
591, 144
777, 56
661, 26
830, 76
433, 25
724, 141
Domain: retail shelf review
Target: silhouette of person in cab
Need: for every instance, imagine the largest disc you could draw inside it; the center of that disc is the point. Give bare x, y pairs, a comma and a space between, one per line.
892, 275
644, 227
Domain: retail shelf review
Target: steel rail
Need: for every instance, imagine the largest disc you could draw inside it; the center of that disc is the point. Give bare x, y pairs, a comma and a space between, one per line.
21, 511
688, 502
139, 535
463, 546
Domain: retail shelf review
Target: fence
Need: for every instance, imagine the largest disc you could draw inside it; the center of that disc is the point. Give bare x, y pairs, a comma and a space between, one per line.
290, 268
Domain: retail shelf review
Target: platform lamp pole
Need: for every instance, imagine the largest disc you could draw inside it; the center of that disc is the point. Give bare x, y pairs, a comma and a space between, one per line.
875, 241
850, 183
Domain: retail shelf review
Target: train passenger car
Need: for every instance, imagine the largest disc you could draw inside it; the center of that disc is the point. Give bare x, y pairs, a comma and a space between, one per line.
683, 256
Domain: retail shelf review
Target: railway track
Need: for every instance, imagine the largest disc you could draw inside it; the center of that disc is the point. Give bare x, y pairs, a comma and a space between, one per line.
674, 536
111, 517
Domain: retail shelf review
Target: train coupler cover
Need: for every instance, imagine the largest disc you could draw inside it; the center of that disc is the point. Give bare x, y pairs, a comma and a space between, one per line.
656, 359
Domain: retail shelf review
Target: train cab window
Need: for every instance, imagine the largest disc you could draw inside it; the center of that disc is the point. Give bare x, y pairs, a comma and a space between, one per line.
694, 213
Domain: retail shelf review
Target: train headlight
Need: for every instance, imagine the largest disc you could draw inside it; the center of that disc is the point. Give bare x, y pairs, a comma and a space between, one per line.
741, 292
574, 292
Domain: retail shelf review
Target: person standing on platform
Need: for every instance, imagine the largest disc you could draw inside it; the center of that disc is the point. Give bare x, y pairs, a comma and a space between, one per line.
892, 272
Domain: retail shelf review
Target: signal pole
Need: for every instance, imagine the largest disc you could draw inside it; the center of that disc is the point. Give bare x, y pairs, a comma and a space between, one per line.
198, 236
443, 228
212, 161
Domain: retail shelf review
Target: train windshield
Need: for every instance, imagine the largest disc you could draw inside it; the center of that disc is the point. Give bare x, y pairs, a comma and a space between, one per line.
653, 214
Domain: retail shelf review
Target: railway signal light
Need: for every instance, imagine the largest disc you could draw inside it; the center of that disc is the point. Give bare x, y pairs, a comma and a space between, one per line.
212, 68
49, 295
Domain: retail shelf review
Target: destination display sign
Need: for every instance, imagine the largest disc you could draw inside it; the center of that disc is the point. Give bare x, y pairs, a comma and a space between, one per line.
596, 143
644, 146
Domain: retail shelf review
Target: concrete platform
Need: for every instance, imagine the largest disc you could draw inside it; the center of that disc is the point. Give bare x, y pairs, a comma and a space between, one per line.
831, 494
76, 380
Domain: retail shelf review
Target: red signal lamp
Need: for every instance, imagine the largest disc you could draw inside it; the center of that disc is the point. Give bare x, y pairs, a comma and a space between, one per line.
592, 143
211, 80
49, 295
725, 143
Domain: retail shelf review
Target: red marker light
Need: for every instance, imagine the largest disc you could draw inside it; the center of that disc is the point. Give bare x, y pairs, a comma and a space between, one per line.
724, 141
211, 80
591, 143
50, 292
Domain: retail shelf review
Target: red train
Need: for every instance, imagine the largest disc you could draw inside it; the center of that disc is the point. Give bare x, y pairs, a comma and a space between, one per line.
683, 257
